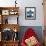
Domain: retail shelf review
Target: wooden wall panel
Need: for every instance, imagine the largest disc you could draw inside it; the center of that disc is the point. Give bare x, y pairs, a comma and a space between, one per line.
44, 4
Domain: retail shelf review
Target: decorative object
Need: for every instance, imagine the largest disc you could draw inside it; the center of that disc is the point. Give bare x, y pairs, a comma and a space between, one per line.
13, 12
6, 21
15, 30
5, 12
7, 34
15, 37
30, 13
15, 3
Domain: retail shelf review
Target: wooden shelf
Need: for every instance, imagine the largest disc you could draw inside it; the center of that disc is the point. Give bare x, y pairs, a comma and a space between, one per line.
9, 43
10, 26
4, 13
9, 8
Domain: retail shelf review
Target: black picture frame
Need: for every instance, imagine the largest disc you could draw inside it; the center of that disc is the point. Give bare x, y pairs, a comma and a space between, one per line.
30, 13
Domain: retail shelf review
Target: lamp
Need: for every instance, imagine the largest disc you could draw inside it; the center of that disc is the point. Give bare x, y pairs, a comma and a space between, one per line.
15, 3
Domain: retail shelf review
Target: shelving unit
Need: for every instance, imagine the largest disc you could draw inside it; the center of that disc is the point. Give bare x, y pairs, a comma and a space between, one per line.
5, 13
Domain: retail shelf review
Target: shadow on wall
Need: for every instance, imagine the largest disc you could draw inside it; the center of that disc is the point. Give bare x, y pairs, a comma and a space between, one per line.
37, 29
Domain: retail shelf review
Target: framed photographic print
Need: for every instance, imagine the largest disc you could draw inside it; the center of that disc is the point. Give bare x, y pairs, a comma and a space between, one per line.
5, 12
30, 13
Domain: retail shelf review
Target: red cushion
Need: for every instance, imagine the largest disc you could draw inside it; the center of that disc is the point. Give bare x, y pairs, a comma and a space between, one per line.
29, 33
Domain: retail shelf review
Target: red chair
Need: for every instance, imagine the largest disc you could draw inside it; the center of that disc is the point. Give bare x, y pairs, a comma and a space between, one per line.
29, 33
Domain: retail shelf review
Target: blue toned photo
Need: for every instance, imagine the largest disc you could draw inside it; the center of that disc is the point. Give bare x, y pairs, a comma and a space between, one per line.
30, 13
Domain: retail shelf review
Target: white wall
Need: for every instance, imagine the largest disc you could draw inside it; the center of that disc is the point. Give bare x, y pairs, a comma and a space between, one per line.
39, 12
27, 3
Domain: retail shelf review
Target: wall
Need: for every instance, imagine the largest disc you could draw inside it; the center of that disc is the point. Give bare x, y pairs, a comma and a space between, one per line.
39, 13
27, 3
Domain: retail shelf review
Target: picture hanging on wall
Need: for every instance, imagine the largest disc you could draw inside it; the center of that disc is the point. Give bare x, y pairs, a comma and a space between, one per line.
30, 13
